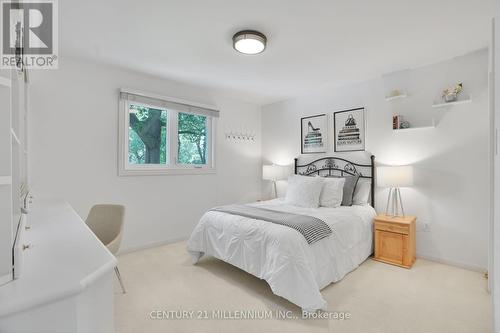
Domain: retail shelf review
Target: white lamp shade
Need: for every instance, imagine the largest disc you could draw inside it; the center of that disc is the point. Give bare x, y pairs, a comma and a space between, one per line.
395, 176
273, 172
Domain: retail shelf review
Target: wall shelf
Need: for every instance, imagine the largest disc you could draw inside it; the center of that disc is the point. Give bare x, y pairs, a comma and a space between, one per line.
411, 129
444, 104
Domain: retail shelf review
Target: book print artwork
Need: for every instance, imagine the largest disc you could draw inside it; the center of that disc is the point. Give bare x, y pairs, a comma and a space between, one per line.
314, 132
349, 130
349, 134
313, 139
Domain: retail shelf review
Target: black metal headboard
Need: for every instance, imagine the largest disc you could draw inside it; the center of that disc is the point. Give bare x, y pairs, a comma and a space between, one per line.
336, 166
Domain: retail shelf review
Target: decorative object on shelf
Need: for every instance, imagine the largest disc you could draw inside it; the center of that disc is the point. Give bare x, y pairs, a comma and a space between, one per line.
395, 94
26, 201
349, 130
241, 136
465, 100
274, 173
314, 134
399, 123
23, 190
26, 197
404, 124
451, 94
395, 121
395, 177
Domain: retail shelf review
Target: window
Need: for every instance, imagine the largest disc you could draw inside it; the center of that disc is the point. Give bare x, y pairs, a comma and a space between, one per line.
161, 136
192, 139
147, 135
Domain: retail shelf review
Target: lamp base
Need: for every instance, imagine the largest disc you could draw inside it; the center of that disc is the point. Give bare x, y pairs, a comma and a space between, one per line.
394, 203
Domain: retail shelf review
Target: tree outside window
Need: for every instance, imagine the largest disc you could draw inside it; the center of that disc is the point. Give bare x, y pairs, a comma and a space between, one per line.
148, 136
192, 139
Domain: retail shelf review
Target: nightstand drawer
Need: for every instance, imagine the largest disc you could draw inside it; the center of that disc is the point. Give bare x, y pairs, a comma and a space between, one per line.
401, 229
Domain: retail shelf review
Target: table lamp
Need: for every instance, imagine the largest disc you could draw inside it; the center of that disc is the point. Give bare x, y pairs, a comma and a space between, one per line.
395, 177
273, 173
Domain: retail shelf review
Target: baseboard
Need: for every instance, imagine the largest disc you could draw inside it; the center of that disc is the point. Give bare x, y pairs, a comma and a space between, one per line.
150, 245
453, 263
419, 255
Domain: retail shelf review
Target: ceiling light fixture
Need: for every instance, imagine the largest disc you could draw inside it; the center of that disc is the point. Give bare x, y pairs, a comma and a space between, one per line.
249, 42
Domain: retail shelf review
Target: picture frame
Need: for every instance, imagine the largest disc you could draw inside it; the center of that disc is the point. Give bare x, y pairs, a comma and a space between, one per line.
314, 134
349, 127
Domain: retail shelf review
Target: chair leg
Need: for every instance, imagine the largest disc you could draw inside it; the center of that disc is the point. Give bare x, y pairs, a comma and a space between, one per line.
120, 279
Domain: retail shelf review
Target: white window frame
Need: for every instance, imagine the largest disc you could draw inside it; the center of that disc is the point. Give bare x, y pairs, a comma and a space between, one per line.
172, 167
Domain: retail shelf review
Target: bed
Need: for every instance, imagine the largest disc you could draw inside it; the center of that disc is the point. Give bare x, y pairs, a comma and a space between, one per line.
293, 268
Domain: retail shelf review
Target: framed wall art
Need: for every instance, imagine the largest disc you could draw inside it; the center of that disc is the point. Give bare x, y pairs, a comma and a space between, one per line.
314, 134
349, 130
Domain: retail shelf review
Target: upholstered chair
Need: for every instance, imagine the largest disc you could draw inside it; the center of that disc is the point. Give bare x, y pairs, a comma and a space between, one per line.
106, 221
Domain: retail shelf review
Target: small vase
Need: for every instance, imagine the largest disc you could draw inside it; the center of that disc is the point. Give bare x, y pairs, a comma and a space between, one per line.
404, 124
450, 97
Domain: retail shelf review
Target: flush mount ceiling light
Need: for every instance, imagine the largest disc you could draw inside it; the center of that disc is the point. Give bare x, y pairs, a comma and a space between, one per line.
249, 42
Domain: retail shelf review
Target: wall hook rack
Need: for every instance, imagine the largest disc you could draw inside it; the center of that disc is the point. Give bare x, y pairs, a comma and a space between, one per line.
248, 136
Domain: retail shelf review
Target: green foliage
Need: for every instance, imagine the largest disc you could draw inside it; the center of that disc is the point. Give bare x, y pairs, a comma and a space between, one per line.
145, 136
142, 136
136, 148
192, 139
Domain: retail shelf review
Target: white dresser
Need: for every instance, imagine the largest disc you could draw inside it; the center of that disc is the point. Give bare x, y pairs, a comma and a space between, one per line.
67, 279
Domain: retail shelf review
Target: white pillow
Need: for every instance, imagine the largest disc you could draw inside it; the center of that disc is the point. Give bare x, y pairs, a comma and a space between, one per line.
331, 193
304, 191
362, 192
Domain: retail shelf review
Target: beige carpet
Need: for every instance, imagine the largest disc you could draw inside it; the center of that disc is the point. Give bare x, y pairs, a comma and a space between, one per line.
430, 297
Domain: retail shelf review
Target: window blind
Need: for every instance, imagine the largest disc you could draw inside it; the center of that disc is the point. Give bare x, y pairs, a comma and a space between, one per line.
164, 103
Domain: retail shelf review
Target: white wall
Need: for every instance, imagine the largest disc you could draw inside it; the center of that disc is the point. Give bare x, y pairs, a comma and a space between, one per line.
74, 151
451, 161
73, 136
495, 106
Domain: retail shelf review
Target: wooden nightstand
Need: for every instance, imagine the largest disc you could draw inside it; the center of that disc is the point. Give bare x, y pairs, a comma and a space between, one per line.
395, 240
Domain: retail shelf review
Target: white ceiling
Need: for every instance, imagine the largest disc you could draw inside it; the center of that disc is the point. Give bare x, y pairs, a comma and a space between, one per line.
310, 43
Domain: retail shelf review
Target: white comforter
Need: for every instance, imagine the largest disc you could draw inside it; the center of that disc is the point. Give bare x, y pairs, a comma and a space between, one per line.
281, 256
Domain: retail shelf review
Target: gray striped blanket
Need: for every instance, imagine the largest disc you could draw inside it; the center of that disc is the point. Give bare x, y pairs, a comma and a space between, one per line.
312, 228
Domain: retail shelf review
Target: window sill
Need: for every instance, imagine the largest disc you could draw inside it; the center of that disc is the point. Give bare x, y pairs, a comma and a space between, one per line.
166, 172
